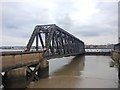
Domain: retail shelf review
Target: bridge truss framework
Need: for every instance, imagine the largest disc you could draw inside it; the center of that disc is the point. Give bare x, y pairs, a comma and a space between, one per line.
56, 41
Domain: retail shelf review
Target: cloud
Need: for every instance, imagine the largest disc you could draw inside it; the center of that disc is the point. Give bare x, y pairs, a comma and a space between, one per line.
89, 20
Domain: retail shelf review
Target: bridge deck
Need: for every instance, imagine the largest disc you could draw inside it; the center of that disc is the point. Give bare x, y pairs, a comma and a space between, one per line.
11, 60
98, 53
16, 59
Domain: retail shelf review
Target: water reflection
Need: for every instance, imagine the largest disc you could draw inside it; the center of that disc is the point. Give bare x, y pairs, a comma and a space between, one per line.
62, 71
79, 72
71, 68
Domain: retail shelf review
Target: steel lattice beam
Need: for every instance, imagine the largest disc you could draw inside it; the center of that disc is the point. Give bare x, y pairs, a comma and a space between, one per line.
57, 42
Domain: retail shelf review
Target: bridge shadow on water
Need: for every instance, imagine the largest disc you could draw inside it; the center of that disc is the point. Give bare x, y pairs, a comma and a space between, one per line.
79, 72
65, 67
64, 73
70, 69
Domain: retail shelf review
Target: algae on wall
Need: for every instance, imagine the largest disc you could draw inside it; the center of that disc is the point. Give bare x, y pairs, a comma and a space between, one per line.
116, 58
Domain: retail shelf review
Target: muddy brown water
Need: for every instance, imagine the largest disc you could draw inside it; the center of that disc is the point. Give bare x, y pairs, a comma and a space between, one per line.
79, 72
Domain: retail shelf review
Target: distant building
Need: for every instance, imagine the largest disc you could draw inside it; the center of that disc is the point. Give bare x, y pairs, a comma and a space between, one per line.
109, 46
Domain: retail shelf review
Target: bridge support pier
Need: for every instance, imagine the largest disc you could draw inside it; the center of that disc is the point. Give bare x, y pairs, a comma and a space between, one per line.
20, 77
37, 71
44, 69
15, 78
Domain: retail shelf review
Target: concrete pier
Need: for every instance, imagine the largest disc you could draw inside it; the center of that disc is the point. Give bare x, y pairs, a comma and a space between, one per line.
44, 69
15, 59
15, 78
19, 78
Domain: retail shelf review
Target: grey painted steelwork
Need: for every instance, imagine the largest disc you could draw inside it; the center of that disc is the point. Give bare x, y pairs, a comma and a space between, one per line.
98, 53
57, 41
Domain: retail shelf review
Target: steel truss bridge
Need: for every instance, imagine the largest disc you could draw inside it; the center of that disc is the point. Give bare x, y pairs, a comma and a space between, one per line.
57, 41
50, 41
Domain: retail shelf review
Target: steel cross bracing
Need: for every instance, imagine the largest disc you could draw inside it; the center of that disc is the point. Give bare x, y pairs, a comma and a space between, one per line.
56, 41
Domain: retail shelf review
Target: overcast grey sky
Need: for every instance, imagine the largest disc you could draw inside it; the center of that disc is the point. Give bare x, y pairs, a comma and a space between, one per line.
92, 21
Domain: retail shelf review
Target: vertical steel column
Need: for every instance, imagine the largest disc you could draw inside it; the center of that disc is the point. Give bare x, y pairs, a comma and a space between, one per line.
36, 42
53, 46
46, 38
41, 40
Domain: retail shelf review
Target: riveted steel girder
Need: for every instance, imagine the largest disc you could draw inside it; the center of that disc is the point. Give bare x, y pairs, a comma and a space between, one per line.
57, 42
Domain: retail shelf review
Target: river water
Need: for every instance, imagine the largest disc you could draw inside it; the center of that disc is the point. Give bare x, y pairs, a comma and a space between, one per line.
79, 72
